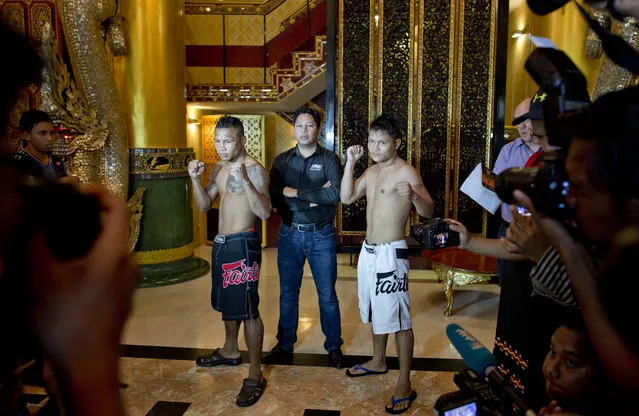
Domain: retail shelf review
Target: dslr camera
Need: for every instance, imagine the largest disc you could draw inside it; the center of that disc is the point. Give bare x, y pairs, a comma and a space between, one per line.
564, 90
436, 234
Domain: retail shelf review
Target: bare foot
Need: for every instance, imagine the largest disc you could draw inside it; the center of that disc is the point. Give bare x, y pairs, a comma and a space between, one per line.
376, 366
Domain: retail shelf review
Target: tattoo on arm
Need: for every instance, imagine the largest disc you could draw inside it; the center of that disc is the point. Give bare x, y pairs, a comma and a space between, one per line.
211, 187
259, 178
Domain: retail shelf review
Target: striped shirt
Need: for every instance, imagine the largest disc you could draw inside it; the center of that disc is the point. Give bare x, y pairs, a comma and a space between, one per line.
550, 279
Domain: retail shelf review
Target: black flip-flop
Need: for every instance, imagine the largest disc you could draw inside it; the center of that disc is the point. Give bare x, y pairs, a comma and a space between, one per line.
410, 399
366, 371
251, 392
215, 358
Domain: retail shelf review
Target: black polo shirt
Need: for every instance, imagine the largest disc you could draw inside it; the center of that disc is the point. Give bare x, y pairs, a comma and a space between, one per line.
307, 175
32, 166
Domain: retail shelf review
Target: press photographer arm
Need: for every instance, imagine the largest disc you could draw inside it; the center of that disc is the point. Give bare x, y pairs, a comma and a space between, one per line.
491, 247
617, 356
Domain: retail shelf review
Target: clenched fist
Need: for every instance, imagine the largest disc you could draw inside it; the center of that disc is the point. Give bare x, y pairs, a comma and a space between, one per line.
196, 168
354, 153
405, 190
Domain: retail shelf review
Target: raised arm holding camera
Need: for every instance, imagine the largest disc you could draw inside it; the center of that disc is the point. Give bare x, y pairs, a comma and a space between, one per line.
602, 166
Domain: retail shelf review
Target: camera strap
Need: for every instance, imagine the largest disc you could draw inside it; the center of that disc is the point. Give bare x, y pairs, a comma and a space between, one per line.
617, 49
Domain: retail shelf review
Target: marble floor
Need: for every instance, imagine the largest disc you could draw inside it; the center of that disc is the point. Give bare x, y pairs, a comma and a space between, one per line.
179, 318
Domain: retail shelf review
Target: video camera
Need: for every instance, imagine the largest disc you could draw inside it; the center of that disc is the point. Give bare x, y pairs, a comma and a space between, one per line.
482, 389
564, 90
435, 234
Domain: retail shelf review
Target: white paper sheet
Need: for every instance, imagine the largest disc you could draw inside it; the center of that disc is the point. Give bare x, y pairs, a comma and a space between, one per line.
473, 187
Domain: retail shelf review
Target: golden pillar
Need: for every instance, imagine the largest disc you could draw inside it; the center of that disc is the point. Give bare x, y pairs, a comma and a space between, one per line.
154, 78
153, 81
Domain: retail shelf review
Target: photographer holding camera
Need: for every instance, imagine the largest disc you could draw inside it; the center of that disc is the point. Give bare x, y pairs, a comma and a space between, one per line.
69, 308
603, 167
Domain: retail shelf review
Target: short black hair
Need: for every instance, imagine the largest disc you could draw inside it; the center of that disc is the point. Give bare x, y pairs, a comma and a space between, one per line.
390, 124
32, 117
24, 69
307, 110
230, 122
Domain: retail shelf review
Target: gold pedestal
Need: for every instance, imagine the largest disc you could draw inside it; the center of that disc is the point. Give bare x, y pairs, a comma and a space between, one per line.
453, 278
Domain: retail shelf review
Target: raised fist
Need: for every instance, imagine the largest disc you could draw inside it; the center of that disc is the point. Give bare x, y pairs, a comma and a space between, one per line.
196, 168
354, 153
405, 190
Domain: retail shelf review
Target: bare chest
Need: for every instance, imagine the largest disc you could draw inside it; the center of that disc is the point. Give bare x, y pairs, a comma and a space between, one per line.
381, 188
229, 183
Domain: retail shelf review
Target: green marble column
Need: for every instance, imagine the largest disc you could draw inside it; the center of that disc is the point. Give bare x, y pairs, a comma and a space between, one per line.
164, 250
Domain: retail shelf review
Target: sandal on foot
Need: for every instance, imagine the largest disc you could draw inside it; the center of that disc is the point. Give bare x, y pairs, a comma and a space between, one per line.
215, 358
410, 399
251, 392
366, 371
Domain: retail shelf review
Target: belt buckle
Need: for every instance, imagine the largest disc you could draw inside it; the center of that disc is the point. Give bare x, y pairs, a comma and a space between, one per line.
220, 239
300, 228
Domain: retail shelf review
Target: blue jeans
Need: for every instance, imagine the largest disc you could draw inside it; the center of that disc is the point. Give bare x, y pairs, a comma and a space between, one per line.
293, 248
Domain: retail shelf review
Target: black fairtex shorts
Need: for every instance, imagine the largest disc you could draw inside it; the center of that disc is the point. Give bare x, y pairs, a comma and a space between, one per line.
235, 270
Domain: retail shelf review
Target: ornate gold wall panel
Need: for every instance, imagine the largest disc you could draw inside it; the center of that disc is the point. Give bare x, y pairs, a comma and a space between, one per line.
28, 17
280, 137
244, 30
434, 70
353, 89
397, 80
476, 102
435, 95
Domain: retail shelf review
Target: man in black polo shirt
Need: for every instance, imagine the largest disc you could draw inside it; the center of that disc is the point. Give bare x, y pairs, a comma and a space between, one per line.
35, 158
305, 185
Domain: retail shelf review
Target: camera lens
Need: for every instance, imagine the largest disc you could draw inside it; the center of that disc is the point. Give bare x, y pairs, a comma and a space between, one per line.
511, 179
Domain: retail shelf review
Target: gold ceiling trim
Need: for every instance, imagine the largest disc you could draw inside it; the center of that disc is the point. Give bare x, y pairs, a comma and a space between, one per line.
236, 7
297, 14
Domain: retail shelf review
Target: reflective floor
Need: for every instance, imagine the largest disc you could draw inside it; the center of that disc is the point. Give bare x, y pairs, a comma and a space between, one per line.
180, 317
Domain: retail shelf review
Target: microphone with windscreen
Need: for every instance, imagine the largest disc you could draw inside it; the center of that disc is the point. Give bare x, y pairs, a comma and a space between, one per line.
481, 361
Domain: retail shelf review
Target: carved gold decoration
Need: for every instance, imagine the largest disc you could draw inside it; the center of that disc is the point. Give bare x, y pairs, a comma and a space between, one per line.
306, 66
454, 278
612, 77
41, 15
68, 107
135, 210
159, 163
83, 22
13, 14
163, 255
233, 8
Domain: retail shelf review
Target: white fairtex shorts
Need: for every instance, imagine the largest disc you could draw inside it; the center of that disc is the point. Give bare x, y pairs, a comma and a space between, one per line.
382, 282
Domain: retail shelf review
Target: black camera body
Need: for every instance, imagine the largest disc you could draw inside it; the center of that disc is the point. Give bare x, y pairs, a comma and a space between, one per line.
435, 234
547, 186
480, 396
565, 90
